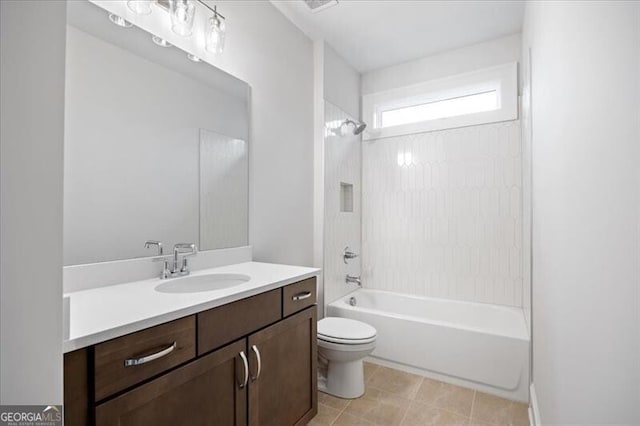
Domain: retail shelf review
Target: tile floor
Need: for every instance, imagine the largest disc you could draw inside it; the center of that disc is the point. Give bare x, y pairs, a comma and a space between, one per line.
393, 397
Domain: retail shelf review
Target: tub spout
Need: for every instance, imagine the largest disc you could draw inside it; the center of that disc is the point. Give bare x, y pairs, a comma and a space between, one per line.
353, 280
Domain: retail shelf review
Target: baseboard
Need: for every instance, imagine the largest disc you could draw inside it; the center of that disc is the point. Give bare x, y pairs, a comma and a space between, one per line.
534, 413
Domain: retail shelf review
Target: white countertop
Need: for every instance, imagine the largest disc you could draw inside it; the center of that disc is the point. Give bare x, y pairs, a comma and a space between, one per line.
102, 313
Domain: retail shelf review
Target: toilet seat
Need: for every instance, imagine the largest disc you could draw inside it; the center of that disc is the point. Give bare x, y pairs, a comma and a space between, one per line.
345, 331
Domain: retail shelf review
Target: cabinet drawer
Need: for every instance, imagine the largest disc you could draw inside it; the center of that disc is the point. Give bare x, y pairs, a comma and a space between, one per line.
127, 360
206, 391
296, 297
219, 326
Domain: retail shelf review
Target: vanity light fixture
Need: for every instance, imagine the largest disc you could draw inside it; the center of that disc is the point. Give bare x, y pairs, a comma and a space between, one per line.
140, 7
215, 33
160, 41
193, 58
119, 21
182, 13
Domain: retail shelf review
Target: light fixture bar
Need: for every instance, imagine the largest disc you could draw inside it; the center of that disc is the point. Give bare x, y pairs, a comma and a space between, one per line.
214, 9
166, 5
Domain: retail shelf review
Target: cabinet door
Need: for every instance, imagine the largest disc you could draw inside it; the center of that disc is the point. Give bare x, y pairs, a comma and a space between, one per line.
76, 388
283, 360
204, 392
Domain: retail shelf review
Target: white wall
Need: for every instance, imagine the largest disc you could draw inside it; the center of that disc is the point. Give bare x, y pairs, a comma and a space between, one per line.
526, 122
341, 83
318, 167
483, 55
343, 155
586, 189
32, 53
271, 54
336, 97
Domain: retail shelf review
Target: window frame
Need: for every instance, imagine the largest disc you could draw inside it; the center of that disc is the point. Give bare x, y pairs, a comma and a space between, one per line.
502, 78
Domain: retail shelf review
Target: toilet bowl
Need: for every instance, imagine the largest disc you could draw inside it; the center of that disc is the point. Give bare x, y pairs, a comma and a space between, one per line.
342, 345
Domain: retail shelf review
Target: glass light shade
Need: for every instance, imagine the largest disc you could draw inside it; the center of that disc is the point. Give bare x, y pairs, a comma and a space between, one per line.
215, 35
182, 14
140, 7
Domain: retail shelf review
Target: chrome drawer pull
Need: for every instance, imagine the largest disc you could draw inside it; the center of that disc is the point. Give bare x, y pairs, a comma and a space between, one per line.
301, 296
246, 370
143, 360
254, 348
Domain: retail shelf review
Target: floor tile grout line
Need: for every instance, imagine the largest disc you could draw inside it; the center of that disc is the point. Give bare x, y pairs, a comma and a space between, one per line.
342, 411
349, 403
404, 416
411, 401
446, 410
473, 403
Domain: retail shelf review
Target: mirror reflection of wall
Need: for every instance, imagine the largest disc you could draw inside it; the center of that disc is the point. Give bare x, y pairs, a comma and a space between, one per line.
144, 142
223, 190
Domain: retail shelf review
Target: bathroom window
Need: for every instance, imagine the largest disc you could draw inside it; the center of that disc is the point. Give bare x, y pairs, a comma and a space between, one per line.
461, 105
485, 96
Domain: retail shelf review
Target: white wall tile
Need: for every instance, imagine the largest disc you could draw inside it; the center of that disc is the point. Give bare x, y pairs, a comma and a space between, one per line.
442, 214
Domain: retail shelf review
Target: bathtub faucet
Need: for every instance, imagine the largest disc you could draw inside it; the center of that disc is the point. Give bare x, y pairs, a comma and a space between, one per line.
353, 280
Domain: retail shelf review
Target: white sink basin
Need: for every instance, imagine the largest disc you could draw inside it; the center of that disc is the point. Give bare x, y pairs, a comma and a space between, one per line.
200, 283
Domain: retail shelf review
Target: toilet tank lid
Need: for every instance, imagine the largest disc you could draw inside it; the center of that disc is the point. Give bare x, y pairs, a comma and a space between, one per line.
345, 328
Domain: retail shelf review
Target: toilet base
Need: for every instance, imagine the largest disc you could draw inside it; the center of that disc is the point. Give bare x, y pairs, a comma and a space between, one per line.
343, 379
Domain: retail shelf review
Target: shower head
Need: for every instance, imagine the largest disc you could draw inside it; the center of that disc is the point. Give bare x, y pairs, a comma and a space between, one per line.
358, 126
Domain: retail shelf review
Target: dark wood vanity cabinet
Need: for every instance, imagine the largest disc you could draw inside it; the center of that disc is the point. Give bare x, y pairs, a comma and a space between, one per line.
284, 392
203, 392
248, 362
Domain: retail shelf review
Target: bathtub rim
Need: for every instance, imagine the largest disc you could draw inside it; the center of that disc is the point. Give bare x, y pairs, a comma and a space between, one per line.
342, 303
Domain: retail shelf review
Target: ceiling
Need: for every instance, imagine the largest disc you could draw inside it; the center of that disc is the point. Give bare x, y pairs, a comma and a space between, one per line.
376, 34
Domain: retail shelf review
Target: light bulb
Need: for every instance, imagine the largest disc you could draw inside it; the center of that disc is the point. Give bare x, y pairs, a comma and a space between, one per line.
215, 35
182, 14
193, 58
160, 41
119, 21
140, 7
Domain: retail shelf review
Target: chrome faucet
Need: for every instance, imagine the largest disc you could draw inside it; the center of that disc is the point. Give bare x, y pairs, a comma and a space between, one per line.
347, 254
353, 280
166, 273
177, 250
150, 243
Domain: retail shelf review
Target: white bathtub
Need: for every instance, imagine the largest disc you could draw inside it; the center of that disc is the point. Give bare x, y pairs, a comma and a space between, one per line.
478, 345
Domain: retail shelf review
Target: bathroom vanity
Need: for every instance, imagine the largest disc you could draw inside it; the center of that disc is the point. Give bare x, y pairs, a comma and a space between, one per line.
157, 150
248, 361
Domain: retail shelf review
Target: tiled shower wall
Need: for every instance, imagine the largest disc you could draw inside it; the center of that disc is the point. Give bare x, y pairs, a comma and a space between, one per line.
442, 214
343, 154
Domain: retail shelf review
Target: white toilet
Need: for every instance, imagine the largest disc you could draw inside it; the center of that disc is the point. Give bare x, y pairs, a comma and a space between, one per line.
342, 345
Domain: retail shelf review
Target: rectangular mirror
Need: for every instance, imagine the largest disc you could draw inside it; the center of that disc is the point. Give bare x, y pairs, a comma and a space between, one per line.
156, 146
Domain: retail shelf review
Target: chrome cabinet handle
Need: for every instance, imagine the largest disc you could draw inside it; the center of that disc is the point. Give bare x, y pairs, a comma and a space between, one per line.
144, 359
246, 370
301, 296
254, 348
